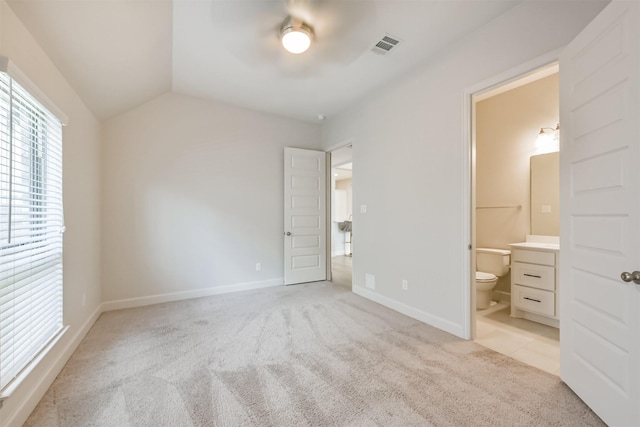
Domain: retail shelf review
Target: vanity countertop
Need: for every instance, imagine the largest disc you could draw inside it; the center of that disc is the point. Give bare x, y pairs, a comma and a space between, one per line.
550, 247
540, 243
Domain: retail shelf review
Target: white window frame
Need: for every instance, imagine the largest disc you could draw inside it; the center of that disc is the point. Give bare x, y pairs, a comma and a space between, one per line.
31, 258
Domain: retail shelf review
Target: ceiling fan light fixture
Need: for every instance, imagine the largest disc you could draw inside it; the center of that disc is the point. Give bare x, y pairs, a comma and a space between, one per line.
295, 35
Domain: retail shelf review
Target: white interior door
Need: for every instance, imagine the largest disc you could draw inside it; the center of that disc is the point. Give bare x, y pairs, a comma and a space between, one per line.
600, 214
305, 215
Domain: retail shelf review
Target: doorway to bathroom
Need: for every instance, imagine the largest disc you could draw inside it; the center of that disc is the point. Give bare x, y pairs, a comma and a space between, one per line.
515, 200
341, 235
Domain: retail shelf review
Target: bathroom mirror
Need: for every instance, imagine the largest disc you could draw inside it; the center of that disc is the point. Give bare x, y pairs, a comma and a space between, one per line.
545, 194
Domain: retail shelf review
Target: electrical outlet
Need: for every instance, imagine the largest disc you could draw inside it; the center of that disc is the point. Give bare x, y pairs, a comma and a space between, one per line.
405, 285
363, 208
545, 209
258, 266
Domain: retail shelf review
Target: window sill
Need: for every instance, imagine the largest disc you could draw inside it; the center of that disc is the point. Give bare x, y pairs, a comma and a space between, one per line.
13, 385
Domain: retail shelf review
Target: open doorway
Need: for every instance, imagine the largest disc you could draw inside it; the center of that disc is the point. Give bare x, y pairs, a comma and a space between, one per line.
515, 218
341, 234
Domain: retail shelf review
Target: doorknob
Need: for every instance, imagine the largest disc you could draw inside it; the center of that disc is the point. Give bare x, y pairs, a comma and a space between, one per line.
288, 233
631, 277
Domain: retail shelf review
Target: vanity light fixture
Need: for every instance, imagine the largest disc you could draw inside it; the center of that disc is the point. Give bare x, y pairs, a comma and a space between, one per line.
295, 35
555, 135
549, 139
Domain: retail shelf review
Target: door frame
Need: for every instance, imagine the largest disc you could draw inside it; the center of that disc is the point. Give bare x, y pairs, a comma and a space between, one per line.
468, 168
329, 196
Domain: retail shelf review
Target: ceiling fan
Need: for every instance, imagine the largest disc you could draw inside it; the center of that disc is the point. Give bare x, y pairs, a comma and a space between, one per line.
252, 31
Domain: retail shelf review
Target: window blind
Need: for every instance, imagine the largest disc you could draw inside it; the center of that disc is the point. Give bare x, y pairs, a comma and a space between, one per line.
31, 225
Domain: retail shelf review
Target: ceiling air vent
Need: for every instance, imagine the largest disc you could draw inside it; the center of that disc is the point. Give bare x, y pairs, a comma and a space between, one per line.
385, 44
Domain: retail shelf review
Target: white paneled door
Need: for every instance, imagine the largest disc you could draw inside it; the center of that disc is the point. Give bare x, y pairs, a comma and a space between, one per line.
600, 215
305, 215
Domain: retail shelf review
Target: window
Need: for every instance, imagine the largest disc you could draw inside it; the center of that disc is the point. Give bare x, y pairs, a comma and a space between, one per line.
31, 225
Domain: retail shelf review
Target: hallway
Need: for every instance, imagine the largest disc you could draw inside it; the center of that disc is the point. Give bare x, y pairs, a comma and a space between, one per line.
341, 270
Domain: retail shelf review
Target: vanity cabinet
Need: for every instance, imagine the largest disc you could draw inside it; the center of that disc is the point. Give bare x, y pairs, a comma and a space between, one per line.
534, 283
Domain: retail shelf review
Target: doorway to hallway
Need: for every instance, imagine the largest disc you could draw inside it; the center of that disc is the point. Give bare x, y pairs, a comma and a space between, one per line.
341, 225
341, 270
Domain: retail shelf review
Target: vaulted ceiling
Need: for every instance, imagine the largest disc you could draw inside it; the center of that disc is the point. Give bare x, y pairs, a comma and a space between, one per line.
118, 54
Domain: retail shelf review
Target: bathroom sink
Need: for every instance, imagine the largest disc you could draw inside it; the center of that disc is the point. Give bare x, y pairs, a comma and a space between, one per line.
344, 226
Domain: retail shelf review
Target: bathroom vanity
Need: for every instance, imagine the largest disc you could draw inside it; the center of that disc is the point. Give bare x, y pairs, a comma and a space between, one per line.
534, 279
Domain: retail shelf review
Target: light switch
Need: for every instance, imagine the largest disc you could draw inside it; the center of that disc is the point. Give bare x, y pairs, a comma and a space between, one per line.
363, 208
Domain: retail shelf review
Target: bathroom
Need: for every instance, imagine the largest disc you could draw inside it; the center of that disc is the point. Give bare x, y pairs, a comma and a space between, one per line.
516, 178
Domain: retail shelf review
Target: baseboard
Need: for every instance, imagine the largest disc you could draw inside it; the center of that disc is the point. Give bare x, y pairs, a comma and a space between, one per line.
420, 315
33, 398
178, 296
338, 253
501, 296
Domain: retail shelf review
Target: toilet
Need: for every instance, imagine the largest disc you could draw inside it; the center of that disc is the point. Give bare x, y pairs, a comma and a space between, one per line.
490, 264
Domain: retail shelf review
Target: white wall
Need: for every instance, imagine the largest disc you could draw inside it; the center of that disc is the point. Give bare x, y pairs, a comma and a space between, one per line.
411, 166
81, 169
193, 198
346, 185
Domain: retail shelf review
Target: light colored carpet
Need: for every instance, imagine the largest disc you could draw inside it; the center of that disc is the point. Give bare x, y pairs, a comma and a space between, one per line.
313, 354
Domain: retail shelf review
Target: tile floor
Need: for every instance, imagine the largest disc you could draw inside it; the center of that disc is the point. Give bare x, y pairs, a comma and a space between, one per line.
533, 343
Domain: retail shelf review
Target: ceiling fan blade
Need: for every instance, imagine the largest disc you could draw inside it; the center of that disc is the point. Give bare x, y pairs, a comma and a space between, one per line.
344, 29
249, 30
